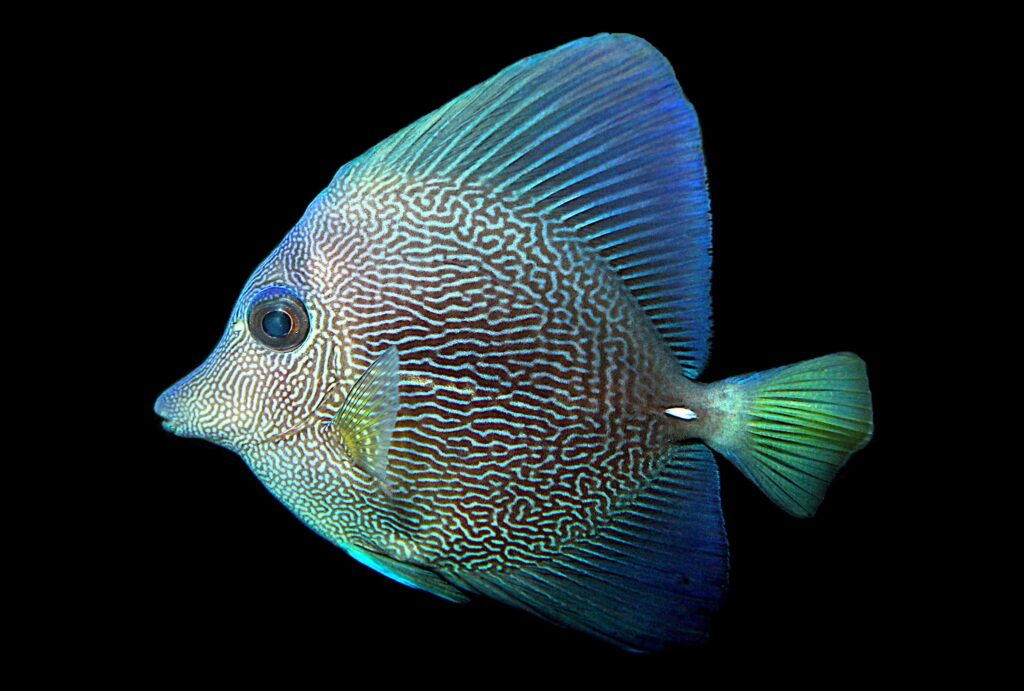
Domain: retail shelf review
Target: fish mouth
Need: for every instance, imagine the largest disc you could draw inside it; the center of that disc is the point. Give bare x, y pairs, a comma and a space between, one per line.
171, 426
182, 429
162, 407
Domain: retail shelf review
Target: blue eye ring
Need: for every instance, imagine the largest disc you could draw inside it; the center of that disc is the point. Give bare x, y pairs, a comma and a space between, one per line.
278, 319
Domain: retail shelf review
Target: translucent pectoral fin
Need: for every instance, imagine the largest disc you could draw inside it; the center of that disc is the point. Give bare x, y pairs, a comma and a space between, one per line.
366, 420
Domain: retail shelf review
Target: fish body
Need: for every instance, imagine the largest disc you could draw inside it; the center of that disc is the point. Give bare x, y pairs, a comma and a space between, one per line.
471, 364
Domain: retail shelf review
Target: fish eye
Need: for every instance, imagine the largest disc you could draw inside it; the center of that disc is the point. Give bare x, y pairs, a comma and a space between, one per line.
278, 319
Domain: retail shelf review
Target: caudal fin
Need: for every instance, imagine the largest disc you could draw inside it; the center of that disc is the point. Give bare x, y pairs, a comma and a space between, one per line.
791, 429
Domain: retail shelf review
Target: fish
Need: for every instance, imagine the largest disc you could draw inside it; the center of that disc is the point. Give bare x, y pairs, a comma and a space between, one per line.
473, 362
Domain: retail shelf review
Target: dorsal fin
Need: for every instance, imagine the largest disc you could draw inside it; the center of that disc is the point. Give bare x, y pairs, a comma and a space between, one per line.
597, 136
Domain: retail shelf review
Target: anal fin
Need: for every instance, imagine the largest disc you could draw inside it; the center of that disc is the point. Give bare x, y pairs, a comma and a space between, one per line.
653, 575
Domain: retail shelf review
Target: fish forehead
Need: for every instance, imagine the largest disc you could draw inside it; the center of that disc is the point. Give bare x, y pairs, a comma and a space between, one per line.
521, 352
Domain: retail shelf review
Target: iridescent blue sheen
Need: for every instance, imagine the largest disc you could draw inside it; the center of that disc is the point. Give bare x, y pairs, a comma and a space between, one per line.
467, 362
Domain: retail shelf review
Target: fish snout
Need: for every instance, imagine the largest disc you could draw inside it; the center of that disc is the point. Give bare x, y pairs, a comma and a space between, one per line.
181, 416
196, 407
167, 407
162, 405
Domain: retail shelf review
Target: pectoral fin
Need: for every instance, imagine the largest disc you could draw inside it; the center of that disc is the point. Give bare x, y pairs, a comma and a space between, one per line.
366, 420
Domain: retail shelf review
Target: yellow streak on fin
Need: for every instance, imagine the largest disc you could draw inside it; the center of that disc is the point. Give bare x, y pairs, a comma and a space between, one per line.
366, 420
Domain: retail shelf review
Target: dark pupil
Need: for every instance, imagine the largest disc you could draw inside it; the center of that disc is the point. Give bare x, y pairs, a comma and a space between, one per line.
277, 323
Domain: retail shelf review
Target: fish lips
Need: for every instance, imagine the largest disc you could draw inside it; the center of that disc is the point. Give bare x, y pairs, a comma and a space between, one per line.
179, 420
166, 408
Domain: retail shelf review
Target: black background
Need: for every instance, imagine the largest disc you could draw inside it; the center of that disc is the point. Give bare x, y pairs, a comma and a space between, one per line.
219, 133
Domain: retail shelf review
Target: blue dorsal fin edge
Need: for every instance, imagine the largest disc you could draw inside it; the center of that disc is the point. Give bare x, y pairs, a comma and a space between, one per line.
653, 575
595, 136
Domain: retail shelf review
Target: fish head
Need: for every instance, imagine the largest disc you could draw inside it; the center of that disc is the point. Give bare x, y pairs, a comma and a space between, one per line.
279, 359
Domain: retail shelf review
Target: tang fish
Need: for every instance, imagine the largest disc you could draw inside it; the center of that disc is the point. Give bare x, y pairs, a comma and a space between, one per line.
472, 363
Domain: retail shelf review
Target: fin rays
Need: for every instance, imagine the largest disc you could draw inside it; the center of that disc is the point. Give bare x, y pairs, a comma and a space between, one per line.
652, 575
595, 136
792, 428
365, 422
